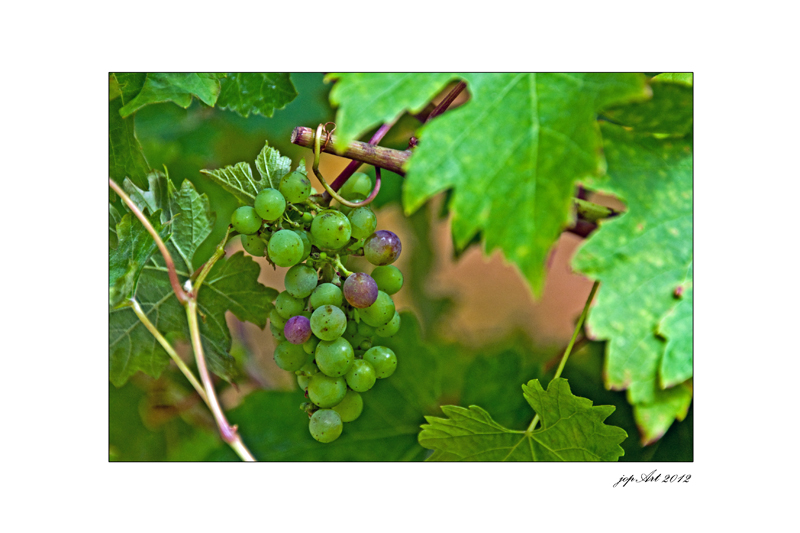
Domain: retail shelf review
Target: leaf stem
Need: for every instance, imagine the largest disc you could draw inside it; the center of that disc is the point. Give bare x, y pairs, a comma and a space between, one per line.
228, 432
173, 275
339, 266
137, 309
564, 358
218, 253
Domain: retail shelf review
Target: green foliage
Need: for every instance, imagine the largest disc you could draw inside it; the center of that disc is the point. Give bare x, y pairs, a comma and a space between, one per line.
571, 429
238, 179
641, 258
125, 157
670, 110
175, 87
256, 92
518, 146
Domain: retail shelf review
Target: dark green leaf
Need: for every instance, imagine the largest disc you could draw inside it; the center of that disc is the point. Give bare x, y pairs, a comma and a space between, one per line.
256, 92
175, 87
114, 218
641, 258
126, 261
125, 156
191, 224
655, 418
670, 110
570, 429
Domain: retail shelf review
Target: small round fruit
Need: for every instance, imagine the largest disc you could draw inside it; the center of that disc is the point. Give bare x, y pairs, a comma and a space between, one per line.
379, 313
382, 248
288, 306
270, 204
245, 220
253, 245
326, 391
285, 248
334, 358
358, 183
350, 408
383, 359
360, 290
330, 229
295, 187
290, 357
300, 280
361, 376
328, 322
325, 425
391, 328
326, 294
297, 329
388, 277
362, 222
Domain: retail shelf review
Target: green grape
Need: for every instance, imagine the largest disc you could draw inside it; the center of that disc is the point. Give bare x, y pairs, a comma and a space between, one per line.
366, 344
362, 222
379, 313
290, 357
288, 306
361, 376
391, 328
330, 229
326, 294
311, 344
253, 245
277, 333
325, 425
245, 220
328, 322
309, 369
307, 218
352, 327
306, 243
335, 357
300, 280
383, 359
358, 183
350, 408
326, 391
285, 248
382, 248
355, 197
302, 381
270, 204
388, 277
276, 319
365, 329
295, 187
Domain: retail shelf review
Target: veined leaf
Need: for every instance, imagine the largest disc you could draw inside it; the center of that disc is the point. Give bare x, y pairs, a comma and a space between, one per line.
517, 147
125, 156
256, 92
571, 429
129, 257
670, 110
239, 181
175, 87
655, 418
192, 222
272, 165
641, 258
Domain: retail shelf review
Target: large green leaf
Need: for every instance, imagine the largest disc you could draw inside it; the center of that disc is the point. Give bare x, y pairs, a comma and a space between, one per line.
512, 154
570, 429
641, 258
174, 87
275, 429
256, 92
238, 179
192, 222
125, 156
670, 110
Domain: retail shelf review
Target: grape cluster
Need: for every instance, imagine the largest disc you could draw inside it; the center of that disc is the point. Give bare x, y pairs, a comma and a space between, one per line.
327, 320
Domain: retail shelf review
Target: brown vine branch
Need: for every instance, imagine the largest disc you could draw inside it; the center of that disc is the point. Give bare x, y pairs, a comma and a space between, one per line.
183, 297
444, 104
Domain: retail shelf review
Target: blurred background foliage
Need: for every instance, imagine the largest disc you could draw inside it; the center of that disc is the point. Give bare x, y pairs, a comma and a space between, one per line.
472, 333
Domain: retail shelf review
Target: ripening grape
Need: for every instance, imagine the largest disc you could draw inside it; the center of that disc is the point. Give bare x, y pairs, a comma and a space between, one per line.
358, 183
253, 245
362, 222
325, 425
297, 329
300, 280
295, 187
350, 407
388, 277
391, 328
306, 243
285, 248
311, 344
326, 391
290, 357
360, 290
270, 204
245, 220
330, 229
382, 248
326, 294
361, 376
383, 360
288, 306
334, 358
379, 313
328, 322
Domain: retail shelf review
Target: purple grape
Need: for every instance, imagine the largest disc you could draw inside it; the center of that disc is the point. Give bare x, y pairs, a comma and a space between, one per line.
360, 290
297, 329
382, 248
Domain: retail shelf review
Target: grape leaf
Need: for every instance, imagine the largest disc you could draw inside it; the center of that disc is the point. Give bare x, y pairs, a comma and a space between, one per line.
686, 78
655, 418
125, 155
192, 222
238, 179
369, 99
517, 147
114, 218
669, 111
641, 258
175, 87
231, 285
256, 92
676, 327
129, 257
274, 428
571, 429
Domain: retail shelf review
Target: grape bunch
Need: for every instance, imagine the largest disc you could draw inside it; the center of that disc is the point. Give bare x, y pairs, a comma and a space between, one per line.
329, 321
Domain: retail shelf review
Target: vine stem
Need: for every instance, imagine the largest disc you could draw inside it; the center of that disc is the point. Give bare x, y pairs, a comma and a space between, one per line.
169, 349
563, 363
328, 189
228, 432
173, 275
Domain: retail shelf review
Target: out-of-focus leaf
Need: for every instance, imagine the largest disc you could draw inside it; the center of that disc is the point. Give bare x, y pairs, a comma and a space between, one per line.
256, 92
174, 87
670, 110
